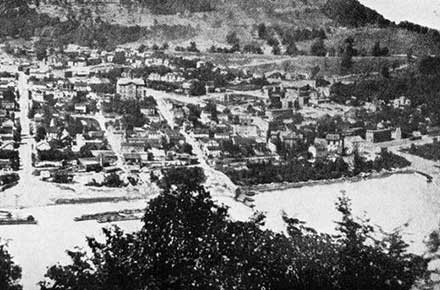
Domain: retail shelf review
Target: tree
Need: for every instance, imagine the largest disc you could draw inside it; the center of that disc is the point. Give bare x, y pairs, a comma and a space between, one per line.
376, 50
10, 274
197, 88
62, 177
193, 47
194, 114
188, 242
142, 48
276, 50
409, 55
385, 71
113, 180
314, 71
318, 48
379, 51
429, 65
252, 48
40, 48
190, 178
40, 134
119, 57
232, 39
361, 255
211, 108
347, 55
291, 49
262, 31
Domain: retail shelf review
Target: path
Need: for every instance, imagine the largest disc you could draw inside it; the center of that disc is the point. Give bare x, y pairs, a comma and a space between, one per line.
215, 179
30, 191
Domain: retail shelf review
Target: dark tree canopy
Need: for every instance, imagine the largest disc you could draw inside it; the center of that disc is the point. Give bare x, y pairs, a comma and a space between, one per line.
318, 48
189, 242
10, 274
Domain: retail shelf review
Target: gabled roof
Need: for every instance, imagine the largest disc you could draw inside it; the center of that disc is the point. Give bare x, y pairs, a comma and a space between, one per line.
129, 81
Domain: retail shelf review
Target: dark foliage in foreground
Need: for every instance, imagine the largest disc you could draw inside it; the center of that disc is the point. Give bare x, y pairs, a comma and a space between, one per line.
189, 242
10, 274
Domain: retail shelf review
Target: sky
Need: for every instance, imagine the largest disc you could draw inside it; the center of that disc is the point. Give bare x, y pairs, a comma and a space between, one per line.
423, 12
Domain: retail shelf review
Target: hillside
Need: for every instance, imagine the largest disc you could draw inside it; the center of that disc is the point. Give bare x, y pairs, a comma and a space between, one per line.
106, 23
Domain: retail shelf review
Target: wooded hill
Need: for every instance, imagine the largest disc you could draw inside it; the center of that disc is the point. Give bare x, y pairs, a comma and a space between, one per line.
106, 23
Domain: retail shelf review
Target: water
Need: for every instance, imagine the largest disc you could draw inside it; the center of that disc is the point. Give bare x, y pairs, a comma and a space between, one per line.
36, 247
400, 201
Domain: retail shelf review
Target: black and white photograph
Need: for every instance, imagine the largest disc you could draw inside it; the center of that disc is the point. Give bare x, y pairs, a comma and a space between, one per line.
219, 144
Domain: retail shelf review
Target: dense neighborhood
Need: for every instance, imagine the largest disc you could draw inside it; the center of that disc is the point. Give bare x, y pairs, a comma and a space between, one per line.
101, 118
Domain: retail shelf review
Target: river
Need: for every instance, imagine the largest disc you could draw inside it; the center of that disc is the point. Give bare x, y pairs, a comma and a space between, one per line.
35, 247
404, 201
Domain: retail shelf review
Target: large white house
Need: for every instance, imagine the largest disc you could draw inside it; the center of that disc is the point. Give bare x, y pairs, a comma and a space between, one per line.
129, 88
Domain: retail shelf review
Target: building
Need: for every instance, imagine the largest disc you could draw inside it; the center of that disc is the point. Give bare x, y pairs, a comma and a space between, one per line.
401, 103
131, 88
319, 149
133, 147
379, 135
246, 130
335, 143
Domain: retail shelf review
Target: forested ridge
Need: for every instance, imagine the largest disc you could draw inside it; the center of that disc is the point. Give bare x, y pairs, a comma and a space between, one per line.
81, 22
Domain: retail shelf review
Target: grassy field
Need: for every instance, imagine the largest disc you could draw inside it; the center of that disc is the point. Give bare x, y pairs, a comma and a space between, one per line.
329, 66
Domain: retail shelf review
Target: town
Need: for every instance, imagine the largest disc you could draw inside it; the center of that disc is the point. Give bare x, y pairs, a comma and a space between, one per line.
124, 118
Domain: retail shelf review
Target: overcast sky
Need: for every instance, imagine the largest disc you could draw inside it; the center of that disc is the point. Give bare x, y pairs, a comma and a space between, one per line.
423, 12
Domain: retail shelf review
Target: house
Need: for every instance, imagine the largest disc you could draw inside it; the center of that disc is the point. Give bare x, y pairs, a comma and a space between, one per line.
8, 105
210, 87
129, 88
81, 86
201, 133
378, 135
290, 99
105, 157
52, 133
275, 94
96, 143
319, 149
354, 143
132, 158
335, 143
401, 103
246, 130
81, 108
173, 78
133, 147
222, 135
212, 149
291, 138
90, 164
96, 134
5, 164
433, 131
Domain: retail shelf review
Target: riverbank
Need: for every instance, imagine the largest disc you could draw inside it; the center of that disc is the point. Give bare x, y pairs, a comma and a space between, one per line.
290, 185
